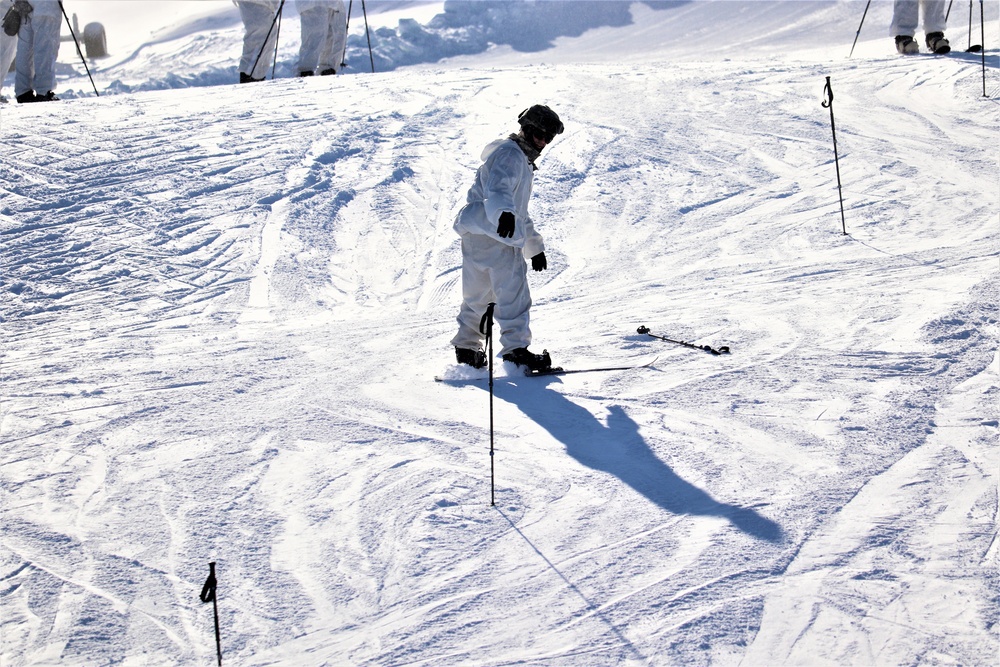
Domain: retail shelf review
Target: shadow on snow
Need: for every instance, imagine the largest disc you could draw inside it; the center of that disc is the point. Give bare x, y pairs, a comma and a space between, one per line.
618, 449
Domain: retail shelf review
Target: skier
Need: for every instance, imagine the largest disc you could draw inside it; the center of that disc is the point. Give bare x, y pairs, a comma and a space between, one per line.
37, 49
258, 38
497, 234
324, 34
904, 25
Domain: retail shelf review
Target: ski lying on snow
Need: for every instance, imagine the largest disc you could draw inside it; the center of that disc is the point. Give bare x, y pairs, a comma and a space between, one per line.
558, 370
555, 370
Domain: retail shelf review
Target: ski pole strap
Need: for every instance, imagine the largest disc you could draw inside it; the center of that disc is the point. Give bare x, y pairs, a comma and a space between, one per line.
486, 324
827, 95
208, 590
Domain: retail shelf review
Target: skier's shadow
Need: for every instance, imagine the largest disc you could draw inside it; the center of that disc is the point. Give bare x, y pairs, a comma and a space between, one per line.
618, 449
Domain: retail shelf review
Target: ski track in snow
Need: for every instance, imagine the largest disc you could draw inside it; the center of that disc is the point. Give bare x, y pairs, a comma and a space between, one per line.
222, 314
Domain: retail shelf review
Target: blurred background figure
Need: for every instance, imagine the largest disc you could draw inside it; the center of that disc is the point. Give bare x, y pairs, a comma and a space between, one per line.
324, 35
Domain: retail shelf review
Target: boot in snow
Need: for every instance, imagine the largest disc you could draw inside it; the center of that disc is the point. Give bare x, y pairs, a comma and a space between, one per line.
522, 357
906, 45
937, 43
474, 358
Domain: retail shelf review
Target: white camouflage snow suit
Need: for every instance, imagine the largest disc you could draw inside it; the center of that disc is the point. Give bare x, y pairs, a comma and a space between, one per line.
258, 19
38, 48
494, 268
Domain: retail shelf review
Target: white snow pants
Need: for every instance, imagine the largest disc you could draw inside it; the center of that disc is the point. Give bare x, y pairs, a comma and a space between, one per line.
37, 49
8, 48
905, 16
324, 34
493, 272
257, 20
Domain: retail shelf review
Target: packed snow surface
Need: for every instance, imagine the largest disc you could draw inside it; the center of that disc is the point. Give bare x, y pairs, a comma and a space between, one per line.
223, 309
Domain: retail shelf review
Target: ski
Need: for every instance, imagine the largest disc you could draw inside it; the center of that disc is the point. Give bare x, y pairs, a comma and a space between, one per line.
554, 370
559, 370
705, 348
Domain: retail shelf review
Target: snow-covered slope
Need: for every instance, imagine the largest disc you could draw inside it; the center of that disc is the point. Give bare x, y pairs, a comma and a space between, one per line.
224, 306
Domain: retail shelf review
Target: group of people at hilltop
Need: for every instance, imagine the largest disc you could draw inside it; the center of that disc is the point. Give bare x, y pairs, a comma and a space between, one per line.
31, 28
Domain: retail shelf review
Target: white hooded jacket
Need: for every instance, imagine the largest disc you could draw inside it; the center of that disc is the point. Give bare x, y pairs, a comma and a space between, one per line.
503, 183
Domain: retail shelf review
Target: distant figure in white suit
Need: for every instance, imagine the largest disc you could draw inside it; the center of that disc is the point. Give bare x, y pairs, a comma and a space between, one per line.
259, 37
37, 50
905, 18
324, 34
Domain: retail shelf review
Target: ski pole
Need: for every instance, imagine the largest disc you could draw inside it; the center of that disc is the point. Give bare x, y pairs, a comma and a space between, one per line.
828, 104
267, 37
707, 348
371, 58
973, 48
982, 38
277, 38
347, 33
486, 327
78, 51
208, 595
858, 33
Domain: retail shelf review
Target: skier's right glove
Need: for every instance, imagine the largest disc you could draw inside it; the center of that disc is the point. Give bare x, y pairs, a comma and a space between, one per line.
505, 229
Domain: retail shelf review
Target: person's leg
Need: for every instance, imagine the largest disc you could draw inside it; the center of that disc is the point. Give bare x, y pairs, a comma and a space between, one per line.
25, 61
477, 292
46, 50
905, 17
934, 15
313, 34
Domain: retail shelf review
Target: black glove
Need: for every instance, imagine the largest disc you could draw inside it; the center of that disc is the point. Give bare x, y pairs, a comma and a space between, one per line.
538, 262
505, 229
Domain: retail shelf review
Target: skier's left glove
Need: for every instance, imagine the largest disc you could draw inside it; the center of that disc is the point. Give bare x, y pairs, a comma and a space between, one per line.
538, 262
505, 229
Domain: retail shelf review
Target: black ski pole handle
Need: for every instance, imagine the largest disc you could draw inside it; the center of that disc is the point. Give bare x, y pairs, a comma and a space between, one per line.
827, 95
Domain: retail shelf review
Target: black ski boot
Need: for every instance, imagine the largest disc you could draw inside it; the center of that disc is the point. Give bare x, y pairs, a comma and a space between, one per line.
474, 358
533, 362
937, 43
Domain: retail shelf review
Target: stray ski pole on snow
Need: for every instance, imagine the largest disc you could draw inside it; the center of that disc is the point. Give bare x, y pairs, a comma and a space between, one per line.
78, 51
858, 33
208, 595
828, 104
707, 348
486, 327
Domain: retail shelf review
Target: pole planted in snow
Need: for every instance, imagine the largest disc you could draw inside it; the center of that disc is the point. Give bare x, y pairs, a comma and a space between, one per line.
267, 37
486, 327
982, 40
371, 58
208, 595
828, 104
78, 51
858, 33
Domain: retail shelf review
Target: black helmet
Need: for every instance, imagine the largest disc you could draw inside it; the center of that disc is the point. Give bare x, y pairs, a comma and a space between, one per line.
542, 121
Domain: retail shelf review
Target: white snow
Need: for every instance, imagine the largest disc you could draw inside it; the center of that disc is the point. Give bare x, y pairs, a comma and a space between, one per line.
223, 308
